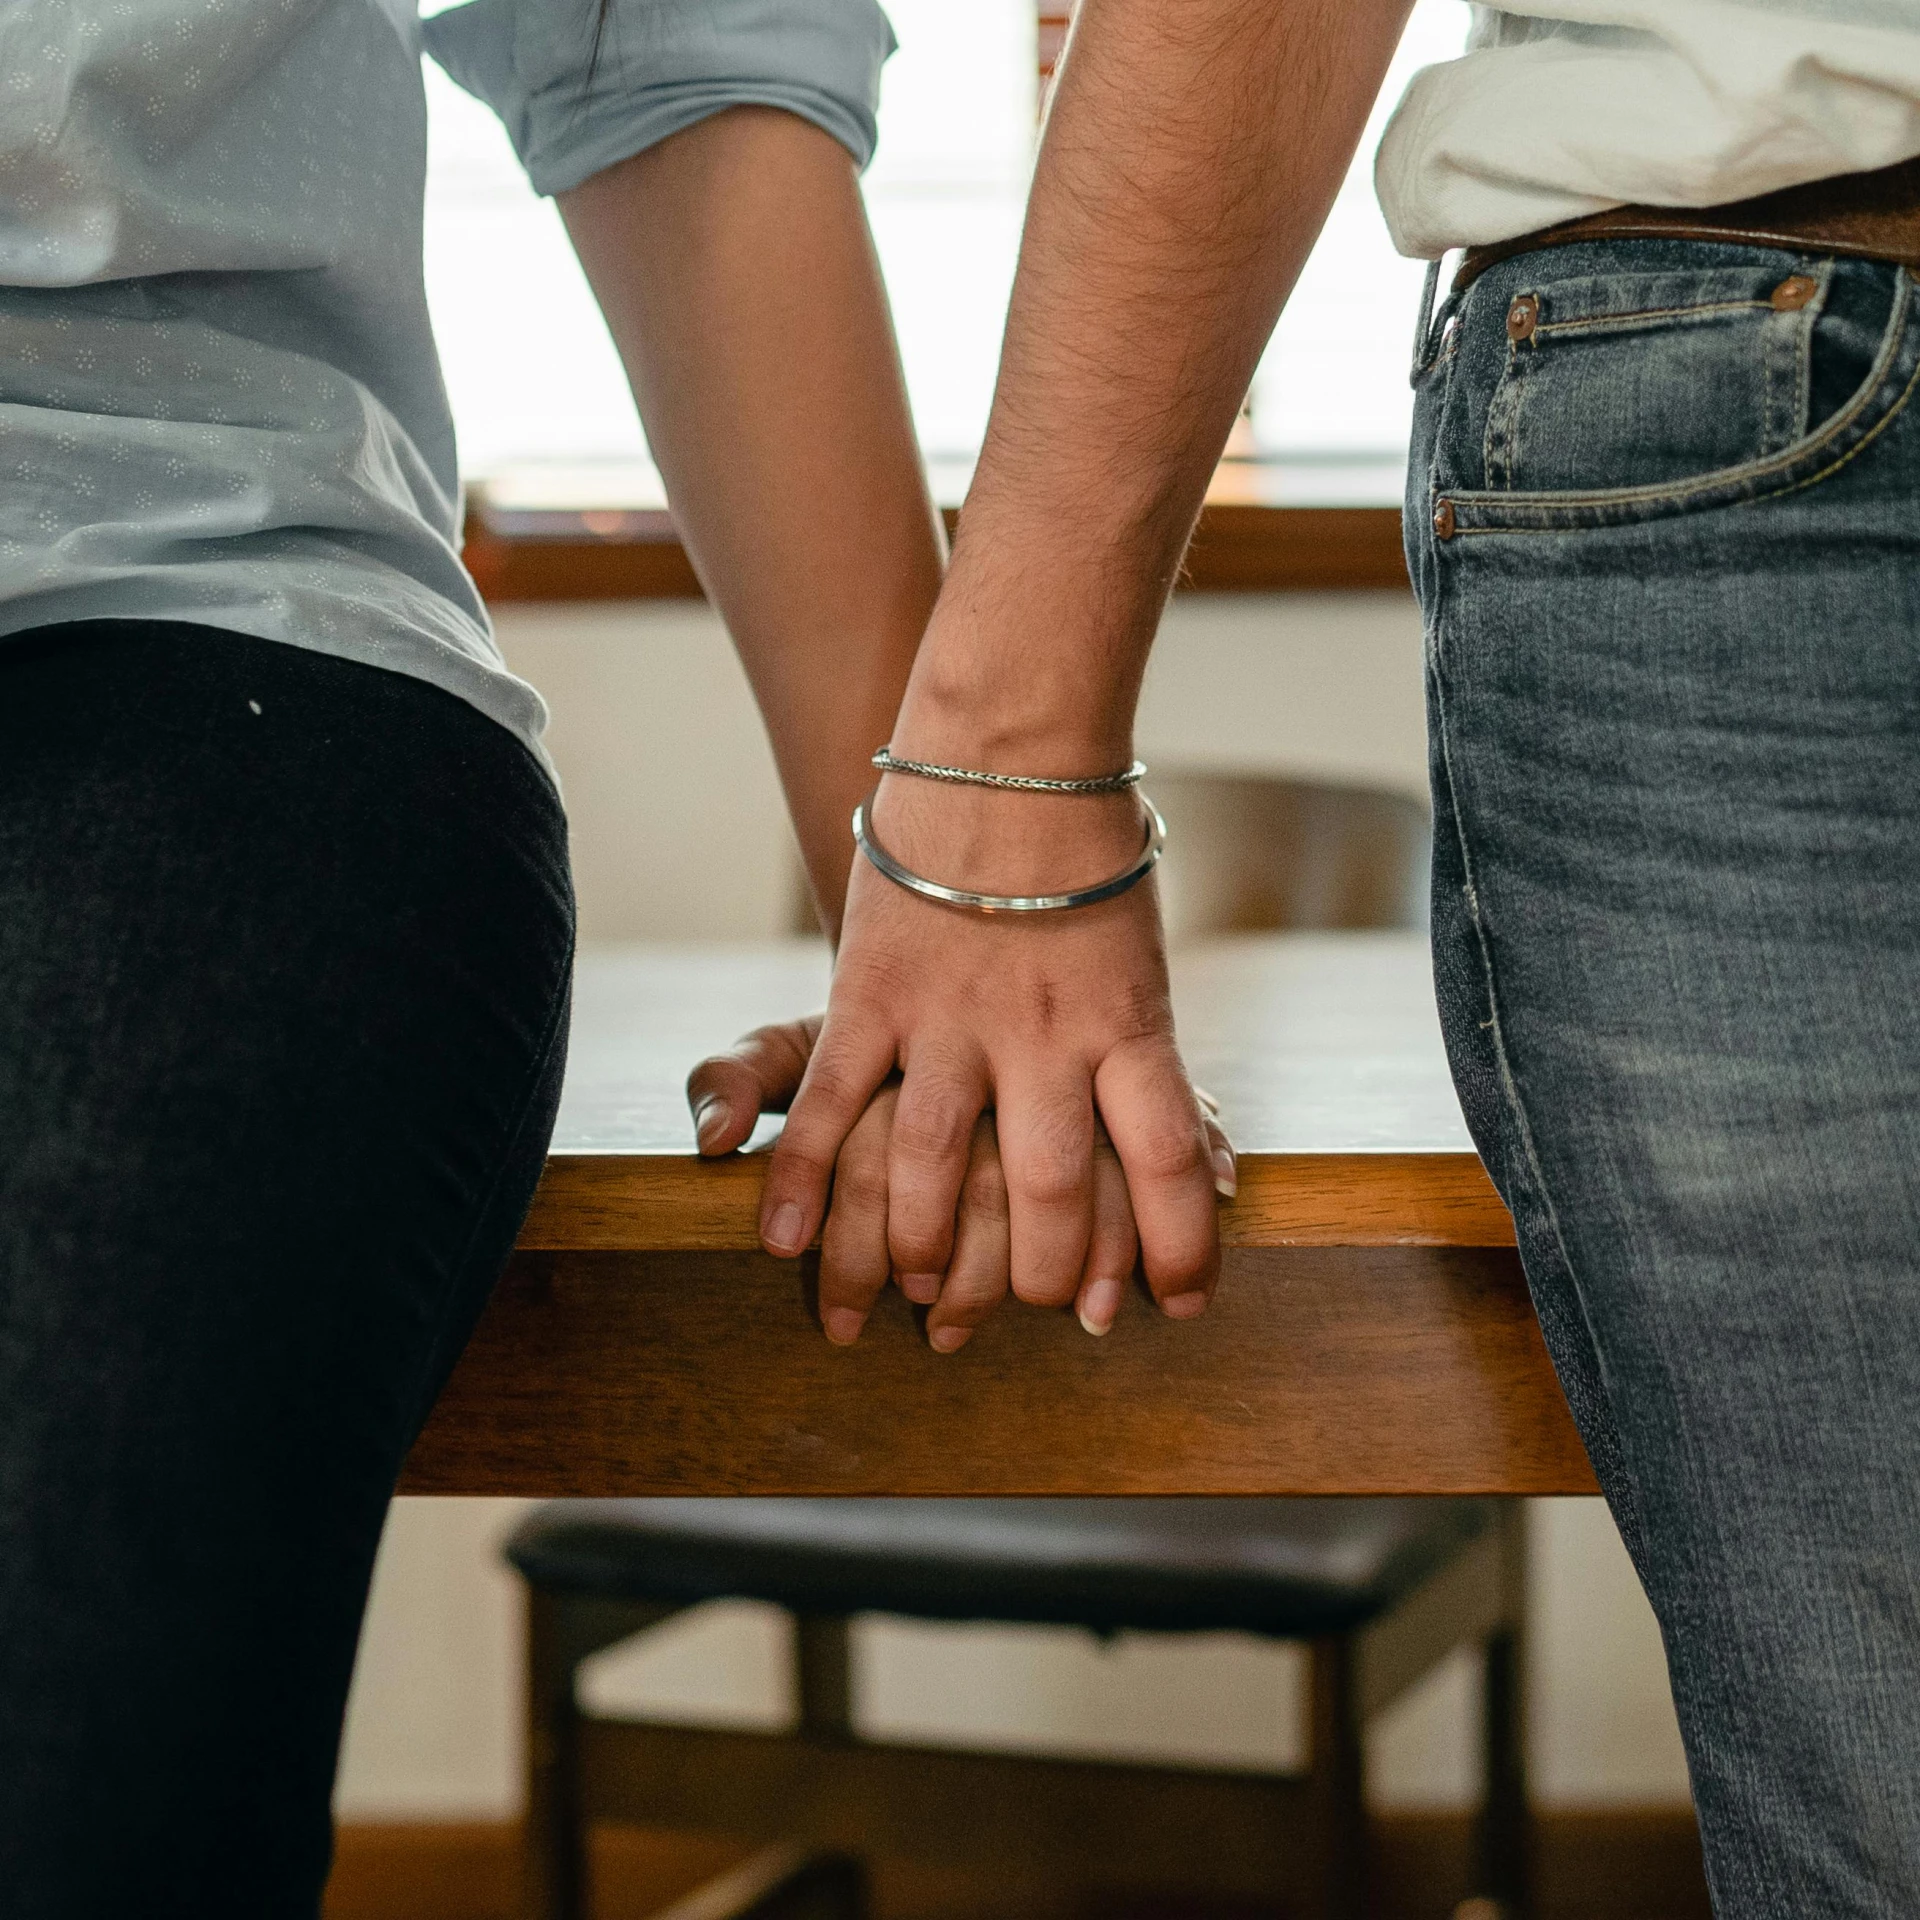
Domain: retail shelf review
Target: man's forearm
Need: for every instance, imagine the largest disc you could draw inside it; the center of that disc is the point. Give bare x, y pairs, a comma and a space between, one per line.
735, 268
1192, 152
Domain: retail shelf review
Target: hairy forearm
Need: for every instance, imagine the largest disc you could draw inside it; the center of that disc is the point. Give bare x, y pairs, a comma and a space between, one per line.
1193, 149
736, 271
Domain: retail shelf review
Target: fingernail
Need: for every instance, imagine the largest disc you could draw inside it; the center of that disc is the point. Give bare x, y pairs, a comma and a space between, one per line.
949, 1339
1183, 1306
923, 1289
1226, 1176
843, 1325
711, 1119
783, 1230
1100, 1307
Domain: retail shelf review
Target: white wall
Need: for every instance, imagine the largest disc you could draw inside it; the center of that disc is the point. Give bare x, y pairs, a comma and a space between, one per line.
678, 832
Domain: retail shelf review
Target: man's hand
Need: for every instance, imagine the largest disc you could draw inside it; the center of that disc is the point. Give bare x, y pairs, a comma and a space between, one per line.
763, 1072
1190, 156
1058, 1022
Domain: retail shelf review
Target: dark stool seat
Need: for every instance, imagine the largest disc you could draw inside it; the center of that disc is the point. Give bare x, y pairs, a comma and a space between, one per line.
1291, 1569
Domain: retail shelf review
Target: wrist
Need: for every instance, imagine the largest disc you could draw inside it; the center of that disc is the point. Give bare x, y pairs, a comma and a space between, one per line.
999, 696
991, 840
1032, 737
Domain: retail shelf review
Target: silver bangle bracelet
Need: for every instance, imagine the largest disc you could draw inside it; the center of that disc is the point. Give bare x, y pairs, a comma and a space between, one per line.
886, 761
1011, 902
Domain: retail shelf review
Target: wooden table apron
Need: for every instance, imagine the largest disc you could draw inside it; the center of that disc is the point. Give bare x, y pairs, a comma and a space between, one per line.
1371, 1334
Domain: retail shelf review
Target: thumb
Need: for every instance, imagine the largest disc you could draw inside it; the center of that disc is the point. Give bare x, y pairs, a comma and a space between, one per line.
729, 1091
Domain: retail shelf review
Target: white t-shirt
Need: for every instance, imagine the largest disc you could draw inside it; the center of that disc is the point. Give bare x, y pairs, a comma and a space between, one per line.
1561, 108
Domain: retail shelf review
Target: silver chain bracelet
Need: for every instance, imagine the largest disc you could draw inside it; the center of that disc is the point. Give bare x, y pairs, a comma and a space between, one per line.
1011, 902
1022, 782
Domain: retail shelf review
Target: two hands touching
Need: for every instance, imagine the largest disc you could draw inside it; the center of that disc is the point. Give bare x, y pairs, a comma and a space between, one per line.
989, 1105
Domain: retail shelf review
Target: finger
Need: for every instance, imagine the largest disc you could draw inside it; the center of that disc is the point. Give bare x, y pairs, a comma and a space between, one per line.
1046, 1149
1115, 1245
941, 1095
759, 1074
853, 1246
1220, 1154
852, 1056
1157, 1129
976, 1280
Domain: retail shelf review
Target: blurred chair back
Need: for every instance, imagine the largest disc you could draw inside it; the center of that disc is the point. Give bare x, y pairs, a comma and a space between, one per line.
1256, 853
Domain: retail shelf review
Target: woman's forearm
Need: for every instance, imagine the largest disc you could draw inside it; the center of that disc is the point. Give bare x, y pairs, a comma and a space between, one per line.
735, 268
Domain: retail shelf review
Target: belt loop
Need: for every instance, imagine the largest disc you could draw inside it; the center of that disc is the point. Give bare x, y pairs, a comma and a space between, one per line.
1423, 333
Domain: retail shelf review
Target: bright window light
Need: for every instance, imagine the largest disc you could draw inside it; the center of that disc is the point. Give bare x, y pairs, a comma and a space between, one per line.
542, 405
1332, 388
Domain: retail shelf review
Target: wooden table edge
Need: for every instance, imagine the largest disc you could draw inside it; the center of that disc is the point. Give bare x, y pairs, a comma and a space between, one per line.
678, 1203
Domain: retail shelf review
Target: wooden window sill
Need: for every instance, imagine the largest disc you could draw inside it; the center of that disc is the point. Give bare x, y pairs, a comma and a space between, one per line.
637, 555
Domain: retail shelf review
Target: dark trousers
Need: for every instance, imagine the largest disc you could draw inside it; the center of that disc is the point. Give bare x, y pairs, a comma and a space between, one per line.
285, 945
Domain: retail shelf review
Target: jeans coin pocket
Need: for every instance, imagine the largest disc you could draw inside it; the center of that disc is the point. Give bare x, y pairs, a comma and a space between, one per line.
1610, 398
1636, 380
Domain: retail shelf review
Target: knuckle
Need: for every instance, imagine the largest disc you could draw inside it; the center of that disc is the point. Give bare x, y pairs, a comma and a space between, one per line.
917, 1245
831, 1087
971, 1295
1054, 1163
1048, 1179
860, 1185
788, 1048
1180, 1269
931, 1131
852, 1263
798, 1160
984, 1192
1045, 1289
1168, 1147
975, 995
851, 1283
724, 1074
871, 977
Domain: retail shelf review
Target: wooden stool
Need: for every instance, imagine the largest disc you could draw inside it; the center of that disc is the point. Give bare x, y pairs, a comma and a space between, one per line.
1377, 1589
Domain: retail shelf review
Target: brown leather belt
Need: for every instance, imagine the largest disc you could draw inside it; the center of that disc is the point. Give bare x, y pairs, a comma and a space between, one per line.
1871, 216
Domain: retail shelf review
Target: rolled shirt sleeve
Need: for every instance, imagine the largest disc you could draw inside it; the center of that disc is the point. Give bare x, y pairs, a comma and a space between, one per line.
660, 66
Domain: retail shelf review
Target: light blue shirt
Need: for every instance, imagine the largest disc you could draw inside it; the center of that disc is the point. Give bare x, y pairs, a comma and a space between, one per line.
219, 396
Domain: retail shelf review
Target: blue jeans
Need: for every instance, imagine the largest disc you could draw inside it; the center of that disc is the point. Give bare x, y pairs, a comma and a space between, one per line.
1664, 522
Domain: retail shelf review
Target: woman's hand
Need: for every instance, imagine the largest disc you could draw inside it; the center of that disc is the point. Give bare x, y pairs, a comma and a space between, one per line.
761, 1074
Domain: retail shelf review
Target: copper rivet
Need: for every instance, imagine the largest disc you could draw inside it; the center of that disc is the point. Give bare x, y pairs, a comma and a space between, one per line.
1793, 293
1522, 317
1443, 520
